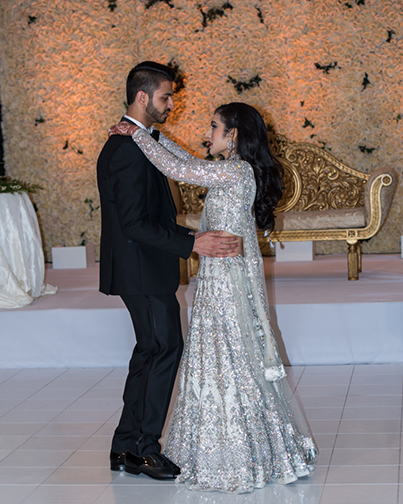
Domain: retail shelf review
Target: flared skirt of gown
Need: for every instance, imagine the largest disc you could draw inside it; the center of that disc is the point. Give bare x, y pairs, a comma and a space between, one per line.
233, 430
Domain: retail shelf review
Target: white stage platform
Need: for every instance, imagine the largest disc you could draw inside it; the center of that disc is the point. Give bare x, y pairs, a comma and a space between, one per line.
319, 317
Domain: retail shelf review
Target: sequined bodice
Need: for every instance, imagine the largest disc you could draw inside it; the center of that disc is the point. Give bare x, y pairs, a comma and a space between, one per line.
228, 203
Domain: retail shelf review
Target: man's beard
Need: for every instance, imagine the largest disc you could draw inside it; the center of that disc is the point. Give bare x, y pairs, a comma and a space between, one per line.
158, 117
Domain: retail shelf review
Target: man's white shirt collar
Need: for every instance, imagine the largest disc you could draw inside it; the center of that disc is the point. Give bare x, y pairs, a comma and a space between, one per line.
139, 124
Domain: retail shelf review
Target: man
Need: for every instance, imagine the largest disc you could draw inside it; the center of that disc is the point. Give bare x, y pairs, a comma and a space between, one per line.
140, 249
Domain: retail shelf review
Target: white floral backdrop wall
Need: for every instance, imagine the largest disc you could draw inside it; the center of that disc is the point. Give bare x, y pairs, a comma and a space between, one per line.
323, 71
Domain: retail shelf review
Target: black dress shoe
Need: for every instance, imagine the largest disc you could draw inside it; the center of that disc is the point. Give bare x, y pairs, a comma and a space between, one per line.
155, 465
117, 461
175, 468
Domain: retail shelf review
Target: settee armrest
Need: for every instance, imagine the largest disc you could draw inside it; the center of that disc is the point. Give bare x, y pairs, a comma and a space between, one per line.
378, 197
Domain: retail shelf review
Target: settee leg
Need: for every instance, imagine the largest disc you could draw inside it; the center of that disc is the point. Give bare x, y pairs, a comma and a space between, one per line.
353, 260
359, 257
183, 269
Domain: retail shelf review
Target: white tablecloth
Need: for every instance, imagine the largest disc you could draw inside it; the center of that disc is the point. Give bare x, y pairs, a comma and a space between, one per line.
22, 263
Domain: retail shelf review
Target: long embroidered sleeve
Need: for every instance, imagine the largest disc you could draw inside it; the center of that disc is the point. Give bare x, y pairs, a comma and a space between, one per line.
174, 148
187, 168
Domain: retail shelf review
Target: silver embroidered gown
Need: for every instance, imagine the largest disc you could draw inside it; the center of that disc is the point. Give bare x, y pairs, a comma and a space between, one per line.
234, 428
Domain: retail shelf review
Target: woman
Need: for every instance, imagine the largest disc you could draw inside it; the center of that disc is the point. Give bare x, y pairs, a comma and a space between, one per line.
233, 427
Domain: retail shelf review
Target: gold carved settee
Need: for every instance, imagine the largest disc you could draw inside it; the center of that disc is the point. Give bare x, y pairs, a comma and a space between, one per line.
323, 200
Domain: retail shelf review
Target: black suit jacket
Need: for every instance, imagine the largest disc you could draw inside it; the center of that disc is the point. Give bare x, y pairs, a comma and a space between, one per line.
140, 240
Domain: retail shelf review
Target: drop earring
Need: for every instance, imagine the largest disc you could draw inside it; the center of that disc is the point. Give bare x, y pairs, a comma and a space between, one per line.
231, 147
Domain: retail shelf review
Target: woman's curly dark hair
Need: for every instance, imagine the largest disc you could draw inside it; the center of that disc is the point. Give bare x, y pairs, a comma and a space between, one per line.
253, 147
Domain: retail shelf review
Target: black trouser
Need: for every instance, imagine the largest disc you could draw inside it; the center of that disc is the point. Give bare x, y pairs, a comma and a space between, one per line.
152, 373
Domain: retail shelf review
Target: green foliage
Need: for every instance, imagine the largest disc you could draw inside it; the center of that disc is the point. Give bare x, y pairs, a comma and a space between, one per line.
179, 76
324, 145
357, 2
325, 68
90, 202
242, 86
390, 35
366, 150
260, 14
270, 128
66, 146
84, 239
308, 124
213, 13
9, 185
112, 5
365, 82
150, 3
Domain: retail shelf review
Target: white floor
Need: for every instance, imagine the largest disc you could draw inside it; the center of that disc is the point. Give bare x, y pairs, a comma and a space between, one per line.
56, 427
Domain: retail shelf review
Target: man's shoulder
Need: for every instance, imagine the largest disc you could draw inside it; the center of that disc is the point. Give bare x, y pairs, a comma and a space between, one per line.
116, 141
119, 144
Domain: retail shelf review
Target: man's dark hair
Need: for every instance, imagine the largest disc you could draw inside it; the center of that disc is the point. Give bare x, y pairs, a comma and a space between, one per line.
147, 76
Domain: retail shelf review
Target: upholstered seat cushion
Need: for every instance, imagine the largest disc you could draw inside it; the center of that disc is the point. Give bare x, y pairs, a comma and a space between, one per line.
288, 221
326, 219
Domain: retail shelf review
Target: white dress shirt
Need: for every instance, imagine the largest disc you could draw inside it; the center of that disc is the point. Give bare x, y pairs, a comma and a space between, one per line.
139, 124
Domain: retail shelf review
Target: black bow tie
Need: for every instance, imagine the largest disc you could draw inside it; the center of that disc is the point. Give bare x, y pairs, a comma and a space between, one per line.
155, 134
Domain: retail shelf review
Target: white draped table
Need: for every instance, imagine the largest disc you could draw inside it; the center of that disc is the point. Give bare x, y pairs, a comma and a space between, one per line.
22, 263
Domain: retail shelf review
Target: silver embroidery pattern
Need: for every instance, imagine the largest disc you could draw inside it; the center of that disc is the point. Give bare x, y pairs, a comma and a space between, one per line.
235, 425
